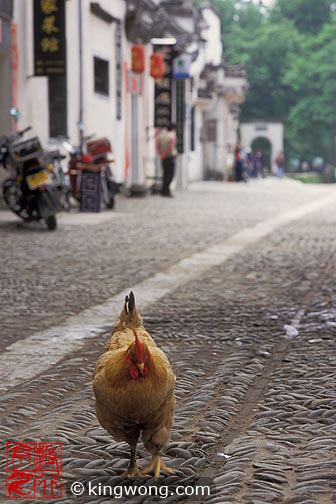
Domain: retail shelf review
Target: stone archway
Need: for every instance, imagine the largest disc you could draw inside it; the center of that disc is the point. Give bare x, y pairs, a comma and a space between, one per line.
272, 131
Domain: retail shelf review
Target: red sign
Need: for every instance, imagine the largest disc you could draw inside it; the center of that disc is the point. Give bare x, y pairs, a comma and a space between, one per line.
138, 59
34, 470
157, 65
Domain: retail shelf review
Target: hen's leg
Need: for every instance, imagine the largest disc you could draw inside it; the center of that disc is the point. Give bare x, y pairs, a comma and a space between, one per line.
156, 466
133, 469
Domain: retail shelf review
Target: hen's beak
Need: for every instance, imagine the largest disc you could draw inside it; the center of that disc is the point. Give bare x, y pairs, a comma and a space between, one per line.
141, 366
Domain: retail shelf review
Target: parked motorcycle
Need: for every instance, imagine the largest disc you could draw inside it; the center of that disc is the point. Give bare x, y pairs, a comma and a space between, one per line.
29, 192
99, 150
95, 160
53, 158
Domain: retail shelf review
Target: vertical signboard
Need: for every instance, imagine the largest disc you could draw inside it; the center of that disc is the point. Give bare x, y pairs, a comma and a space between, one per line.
49, 37
15, 69
118, 70
180, 115
163, 89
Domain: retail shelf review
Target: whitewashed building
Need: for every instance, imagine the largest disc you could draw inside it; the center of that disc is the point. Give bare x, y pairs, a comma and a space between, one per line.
99, 94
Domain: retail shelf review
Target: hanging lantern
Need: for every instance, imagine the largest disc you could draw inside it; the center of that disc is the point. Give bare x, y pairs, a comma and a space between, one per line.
138, 58
157, 65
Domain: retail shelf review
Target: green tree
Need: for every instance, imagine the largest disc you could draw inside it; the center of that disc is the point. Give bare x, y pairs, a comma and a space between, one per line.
312, 77
308, 15
289, 53
266, 62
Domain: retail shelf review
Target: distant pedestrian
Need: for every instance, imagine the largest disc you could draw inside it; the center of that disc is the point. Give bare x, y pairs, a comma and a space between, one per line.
280, 162
167, 150
259, 163
238, 164
248, 163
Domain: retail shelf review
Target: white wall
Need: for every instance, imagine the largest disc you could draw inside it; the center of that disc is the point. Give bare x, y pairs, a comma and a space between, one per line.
32, 91
195, 158
99, 111
72, 41
212, 34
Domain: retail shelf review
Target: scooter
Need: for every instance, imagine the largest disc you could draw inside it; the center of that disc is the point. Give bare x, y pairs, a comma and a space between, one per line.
94, 160
29, 192
99, 150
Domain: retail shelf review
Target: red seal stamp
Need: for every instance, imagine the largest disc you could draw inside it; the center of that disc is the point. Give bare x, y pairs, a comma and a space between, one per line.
34, 470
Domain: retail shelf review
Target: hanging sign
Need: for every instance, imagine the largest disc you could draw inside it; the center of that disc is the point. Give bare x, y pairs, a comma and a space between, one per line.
163, 89
181, 66
138, 59
180, 113
118, 56
49, 37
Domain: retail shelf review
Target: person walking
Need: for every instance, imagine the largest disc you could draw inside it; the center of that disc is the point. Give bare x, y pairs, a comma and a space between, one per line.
280, 162
260, 163
167, 150
248, 163
238, 165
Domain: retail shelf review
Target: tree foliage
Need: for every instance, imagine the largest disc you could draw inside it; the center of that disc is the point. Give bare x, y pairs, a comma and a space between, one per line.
308, 15
289, 52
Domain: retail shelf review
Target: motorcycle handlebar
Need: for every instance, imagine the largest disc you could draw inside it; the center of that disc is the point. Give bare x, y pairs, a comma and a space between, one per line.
18, 134
22, 132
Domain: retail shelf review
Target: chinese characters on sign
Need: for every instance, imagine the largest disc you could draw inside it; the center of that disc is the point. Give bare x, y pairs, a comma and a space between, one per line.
118, 70
180, 106
34, 470
49, 37
163, 89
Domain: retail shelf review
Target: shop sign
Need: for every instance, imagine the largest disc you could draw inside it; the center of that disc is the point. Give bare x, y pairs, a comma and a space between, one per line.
181, 66
118, 70
49, 37
180, 113
163, 89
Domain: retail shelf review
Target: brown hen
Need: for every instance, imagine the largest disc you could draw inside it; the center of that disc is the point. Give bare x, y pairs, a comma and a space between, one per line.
134, 385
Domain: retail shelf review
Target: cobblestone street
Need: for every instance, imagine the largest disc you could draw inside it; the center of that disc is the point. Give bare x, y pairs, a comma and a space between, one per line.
237, 284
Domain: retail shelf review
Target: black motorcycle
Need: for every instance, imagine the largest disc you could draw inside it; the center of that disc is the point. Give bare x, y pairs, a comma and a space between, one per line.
29, 193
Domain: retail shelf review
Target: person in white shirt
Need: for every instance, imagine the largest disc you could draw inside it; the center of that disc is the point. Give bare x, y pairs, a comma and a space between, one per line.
167, 150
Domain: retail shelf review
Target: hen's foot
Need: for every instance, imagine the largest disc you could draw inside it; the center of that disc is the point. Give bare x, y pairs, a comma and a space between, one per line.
156, 466
133, 472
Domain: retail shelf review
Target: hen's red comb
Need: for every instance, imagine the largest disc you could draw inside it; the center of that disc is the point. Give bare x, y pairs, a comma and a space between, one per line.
138, 348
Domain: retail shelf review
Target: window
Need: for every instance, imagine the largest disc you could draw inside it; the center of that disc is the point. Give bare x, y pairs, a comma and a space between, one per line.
101, 76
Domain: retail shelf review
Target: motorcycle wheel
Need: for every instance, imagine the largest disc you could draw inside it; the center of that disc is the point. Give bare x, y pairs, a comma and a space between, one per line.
51, 223
13, 196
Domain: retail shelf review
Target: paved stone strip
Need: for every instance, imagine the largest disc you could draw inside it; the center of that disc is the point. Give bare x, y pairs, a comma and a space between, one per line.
278, 356
47, 277
36, 353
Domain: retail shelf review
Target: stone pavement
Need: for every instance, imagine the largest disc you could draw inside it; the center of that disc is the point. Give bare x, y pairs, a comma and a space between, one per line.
256, 401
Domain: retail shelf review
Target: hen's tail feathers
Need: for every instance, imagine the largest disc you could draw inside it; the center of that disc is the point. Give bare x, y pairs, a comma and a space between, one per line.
129, 303
129, 315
